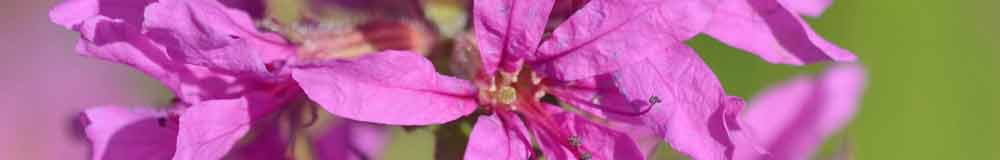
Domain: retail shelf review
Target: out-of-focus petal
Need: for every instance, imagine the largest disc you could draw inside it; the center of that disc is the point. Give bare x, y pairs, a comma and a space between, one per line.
496, 137
128, 133
791, 120
208, 33
689, 106
208, 130
507, 30
352, 140
600, 141
605, 36
115, 33
391, 87
769, 30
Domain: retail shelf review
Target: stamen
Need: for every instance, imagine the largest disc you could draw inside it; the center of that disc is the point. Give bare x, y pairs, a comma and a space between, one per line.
575, 141
539, 94
535, 78
654, 100
596, 100
507, 95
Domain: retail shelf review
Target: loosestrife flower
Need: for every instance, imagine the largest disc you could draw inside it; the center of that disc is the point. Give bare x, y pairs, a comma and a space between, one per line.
619, 63
225, 73
791, 120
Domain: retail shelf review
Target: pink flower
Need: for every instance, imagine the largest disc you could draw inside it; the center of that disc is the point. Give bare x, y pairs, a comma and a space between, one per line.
791, 120
665, 89
225, 73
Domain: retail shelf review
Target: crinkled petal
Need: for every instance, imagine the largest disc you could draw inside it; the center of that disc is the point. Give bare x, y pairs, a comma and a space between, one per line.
128, 133
597, 140
208, 33
689, 114
116, 35
791, 120
605, 36
507, 30
208, 130
352, 140
392, 87
769, 30
499, 138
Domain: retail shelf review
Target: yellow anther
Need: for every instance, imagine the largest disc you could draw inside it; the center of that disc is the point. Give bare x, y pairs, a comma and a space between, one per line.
506, 95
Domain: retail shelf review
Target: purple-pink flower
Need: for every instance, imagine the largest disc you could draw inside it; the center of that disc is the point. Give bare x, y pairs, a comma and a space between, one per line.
791, 120
227, 75
610, 81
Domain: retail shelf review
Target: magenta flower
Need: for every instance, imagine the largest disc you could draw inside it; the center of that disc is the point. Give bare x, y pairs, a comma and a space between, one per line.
774, 31
226, 74
614, 61
791, 120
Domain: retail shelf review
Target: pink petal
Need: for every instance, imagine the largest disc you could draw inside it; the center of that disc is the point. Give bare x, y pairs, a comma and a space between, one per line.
605, 36
690, 114
128, 133
116, 34
352, 140
769, 30
812, 8
209, 34
208, 130
507, 30
792, 119
600, 141
496, 137
392, 87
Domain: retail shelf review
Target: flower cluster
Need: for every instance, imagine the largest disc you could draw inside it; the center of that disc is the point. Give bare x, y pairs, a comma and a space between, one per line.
559, 79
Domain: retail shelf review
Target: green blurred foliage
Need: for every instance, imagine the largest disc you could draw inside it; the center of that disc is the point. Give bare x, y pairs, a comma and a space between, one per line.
932, 88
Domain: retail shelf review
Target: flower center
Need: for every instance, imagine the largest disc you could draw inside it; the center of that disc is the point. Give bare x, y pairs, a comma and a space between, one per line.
520, 93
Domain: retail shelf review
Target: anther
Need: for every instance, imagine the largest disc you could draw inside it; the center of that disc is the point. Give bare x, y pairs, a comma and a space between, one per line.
539, 94
654, 100
575, 141
596, 100
506, 95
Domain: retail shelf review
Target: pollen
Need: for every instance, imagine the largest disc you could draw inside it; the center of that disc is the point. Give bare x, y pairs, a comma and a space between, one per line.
506, 95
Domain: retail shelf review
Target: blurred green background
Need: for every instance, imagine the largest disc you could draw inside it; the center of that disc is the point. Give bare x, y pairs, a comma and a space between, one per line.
932, 91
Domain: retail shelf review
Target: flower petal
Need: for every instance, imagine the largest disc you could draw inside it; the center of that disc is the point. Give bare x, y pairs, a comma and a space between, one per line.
769, 30
495, 137
392, 87
690, 101
792, 119
507, 30
605, 36
209, 34
352, 140
128, 133
812, 8
115, 33
600, 141
208, 130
